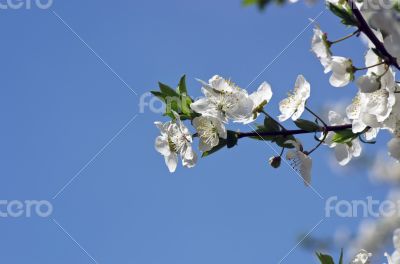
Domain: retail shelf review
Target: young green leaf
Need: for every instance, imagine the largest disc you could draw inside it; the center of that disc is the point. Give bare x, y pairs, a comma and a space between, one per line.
159, 95
325, 259
167, 91
344, 136
346, 15
182, 89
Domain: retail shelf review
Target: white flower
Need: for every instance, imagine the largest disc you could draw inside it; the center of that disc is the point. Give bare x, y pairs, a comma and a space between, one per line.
294, 105
374, 109
362, 258
343, 152
300, 161
394, 148
368, 83
209, 130
175, 139
377, 77
342, 71
395, 257
320, 47
223, 100
259, 98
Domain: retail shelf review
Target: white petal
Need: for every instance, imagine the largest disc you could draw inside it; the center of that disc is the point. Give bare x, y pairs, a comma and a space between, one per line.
302, 87
342, 154
162, 145
362, 258
220, 128
358, 126
338, 80
200, 106
356, 148
368, 84
171, 161
306, 170
220, 84
189, 158
263, 93
299, 112
203, 146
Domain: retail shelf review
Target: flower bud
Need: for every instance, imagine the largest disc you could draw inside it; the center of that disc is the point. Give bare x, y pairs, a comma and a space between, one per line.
275, 162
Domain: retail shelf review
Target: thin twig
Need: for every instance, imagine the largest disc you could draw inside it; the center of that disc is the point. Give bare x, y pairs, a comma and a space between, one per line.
345, 37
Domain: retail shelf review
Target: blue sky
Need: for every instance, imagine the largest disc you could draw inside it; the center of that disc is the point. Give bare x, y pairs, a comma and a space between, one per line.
63, 111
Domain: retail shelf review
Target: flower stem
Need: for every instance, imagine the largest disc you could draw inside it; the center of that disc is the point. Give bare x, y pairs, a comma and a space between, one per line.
279, 124
369, 67
316, 116
319, 144
345, 37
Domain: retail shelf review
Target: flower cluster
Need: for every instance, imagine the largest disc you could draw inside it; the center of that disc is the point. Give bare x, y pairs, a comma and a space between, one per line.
374, 108
376, 105
223, 102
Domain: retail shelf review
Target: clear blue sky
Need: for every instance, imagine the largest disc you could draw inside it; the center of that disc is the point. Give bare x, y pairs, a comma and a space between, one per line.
60, 105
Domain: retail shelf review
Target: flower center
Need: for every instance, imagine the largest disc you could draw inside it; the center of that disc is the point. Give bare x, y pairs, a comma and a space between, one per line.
207, 132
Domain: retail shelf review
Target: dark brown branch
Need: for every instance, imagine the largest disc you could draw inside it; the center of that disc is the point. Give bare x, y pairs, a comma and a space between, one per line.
364, 27
291, 132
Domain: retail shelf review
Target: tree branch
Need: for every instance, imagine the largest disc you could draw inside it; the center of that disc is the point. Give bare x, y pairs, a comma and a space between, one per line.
364, 27
291, 132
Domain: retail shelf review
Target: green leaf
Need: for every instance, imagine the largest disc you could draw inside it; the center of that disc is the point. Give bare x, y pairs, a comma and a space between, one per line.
182, 90
261, 3
344, 136
185, 105
167, 91
281, 141
159, 95
346, 15
325, 259
270, 125
232, 139
222, 144
307, 125
341, 257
